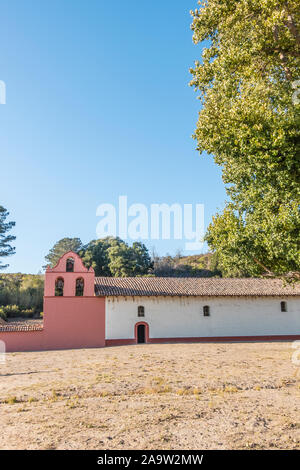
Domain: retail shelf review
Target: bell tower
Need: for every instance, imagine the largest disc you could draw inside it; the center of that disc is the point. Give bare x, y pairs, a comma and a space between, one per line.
73, 316
69, 278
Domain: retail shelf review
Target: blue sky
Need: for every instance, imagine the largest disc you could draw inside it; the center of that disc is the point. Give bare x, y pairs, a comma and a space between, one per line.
98, 105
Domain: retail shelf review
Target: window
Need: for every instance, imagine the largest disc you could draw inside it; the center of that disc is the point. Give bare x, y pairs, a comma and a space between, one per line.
283, 306
206, 312
79, 287
70, 265
141, 311
59, 287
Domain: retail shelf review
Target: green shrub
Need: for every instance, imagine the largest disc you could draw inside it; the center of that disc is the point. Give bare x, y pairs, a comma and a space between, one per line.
28, 312
24, 290
11, 311
2, 313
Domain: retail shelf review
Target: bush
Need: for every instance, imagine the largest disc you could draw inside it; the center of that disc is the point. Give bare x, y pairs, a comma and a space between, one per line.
11, 311
27, 313
24, 290
2, 314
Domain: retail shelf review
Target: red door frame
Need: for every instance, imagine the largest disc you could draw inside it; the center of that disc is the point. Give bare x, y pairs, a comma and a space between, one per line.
146, 331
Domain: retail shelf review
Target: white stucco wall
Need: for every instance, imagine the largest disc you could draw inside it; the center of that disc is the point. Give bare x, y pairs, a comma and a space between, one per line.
173, 317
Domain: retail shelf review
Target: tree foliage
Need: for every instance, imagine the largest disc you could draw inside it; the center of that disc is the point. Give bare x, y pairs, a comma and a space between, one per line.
22, 291
186, 266
5, 239
95, 254
114, 257
250, 123
125, 260
61, 247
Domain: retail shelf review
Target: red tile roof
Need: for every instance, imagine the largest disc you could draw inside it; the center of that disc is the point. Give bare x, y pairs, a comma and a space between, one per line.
170, 286
10, 327
21, 325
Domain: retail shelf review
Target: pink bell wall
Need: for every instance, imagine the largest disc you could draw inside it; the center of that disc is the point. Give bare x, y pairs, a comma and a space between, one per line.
59, 271
69, 322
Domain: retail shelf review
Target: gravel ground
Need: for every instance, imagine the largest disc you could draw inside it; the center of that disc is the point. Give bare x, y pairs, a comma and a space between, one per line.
170, 396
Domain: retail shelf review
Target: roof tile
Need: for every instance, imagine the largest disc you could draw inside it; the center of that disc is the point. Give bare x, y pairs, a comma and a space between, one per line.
166, 286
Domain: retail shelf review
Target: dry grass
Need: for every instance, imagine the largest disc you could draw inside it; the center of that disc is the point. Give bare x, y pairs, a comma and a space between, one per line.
183, 396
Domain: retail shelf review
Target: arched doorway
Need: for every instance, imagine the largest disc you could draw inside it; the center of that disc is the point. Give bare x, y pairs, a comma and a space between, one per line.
142, 332
141, 336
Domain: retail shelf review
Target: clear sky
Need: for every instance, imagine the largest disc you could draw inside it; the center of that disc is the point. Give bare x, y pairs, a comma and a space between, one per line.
97, 105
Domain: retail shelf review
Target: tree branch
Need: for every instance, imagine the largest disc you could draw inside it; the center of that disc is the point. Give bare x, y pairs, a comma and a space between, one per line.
292, 26
263, 266
282, 55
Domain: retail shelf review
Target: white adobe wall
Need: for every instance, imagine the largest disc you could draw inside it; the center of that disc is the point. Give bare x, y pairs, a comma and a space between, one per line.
173, 317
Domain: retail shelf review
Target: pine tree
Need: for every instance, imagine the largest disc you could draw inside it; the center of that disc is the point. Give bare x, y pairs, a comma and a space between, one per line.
60, 248
5, 240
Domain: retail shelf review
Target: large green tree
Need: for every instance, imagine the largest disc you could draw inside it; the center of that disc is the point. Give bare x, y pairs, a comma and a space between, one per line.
95, 254
125, 260
61, 247
249, 121
5, 239
113, 257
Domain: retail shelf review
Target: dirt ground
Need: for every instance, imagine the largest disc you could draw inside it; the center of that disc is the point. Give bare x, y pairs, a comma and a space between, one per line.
170, 396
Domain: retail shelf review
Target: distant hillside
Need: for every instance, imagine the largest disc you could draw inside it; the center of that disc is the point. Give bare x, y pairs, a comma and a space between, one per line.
21, 294
204, 265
